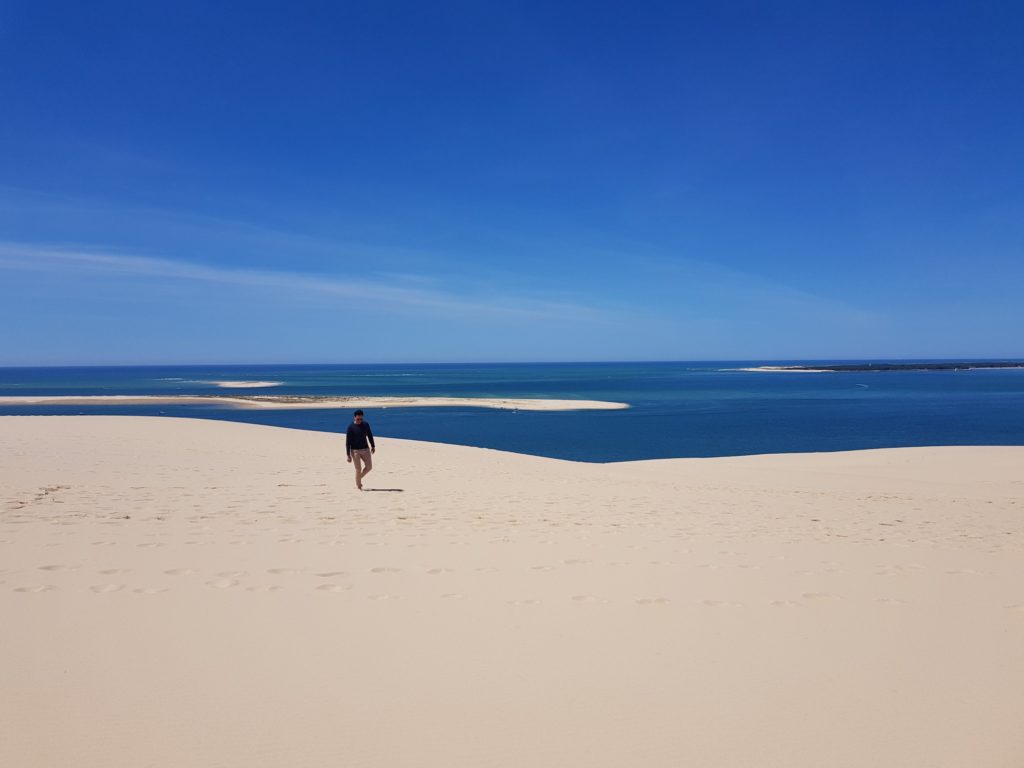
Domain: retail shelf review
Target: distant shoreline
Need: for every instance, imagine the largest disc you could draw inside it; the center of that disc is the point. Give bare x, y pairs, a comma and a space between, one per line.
872, 367
320, 401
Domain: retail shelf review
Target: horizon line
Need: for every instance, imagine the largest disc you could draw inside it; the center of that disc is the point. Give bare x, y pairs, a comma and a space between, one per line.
959, 358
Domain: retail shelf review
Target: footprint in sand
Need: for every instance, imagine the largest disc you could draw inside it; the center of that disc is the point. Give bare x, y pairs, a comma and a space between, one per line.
891, 601
232, 574
285, 571
334, 588
53, 568
652, 601
722, 604
330, 574
524, 602
180, 571
384, 597
149, 590
587, 599
575, 562
385, 570
222, 583
784, 604
36, 588
107, 587
454, 596
265, 588
820, 596
151, 544
542, 567
112, 571
438, 571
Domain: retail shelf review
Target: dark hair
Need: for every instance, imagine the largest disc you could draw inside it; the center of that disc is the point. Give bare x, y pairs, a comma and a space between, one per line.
358, 413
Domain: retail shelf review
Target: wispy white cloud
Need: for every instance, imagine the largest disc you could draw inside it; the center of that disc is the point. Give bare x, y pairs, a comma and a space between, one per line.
59, 259
580, 280
182, 225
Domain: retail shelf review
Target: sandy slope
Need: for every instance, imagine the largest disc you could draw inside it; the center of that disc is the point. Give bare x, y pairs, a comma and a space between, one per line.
196, 593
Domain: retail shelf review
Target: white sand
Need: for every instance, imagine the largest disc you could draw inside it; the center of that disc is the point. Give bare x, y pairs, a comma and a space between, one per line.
245, 384
309, 401
783, 369
197, 593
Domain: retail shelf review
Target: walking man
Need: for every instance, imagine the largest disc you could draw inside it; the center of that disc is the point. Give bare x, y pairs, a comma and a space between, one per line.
360, 447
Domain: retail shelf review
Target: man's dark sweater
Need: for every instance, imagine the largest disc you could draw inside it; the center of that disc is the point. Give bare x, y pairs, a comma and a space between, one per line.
357, 436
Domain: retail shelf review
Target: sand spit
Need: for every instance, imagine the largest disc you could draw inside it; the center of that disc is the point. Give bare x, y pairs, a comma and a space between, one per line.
782, 369
180, 592
245, 384
317, 401
887, 367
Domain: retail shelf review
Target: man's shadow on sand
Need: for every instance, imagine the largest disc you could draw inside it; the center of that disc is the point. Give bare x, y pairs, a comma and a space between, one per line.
383, 490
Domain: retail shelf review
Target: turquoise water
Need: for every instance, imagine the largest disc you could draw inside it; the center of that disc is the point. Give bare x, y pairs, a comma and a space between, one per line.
677, 409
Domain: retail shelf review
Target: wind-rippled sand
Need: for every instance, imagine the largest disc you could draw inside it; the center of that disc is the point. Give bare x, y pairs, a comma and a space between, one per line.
185, 592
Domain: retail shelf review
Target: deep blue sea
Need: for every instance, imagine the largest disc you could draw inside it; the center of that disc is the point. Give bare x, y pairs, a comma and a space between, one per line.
677, 409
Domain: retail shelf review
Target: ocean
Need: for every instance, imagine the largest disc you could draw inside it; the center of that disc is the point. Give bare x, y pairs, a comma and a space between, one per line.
676, 409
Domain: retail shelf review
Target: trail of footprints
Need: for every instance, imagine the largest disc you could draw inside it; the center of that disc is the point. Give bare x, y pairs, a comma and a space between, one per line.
226, 580
341, 582
335, 582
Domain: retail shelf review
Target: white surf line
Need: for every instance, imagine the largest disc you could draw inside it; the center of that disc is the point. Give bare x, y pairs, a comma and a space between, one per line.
297, 401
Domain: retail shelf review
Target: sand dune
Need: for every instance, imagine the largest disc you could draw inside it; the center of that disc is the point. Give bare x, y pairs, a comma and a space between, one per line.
194, 593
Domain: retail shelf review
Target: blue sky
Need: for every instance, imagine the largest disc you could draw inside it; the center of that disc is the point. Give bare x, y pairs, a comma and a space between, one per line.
370, 182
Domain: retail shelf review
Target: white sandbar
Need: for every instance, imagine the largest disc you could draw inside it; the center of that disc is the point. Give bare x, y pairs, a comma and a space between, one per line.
245, 384
311, 401
783, 369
